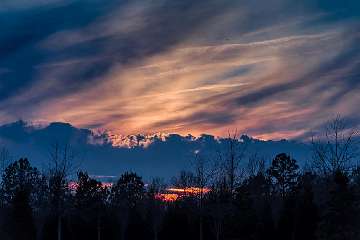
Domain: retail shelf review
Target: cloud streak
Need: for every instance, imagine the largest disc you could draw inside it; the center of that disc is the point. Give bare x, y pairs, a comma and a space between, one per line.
270, 70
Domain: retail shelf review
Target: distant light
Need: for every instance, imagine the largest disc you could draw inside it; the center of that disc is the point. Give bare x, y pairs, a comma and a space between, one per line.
173, 194
74, 185
167, 197
190, 190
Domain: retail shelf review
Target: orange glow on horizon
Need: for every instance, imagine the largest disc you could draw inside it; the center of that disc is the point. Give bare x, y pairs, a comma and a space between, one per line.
191, 190
170, 194
167, 197
174, 194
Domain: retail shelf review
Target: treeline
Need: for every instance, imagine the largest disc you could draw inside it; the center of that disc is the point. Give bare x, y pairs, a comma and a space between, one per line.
248, 198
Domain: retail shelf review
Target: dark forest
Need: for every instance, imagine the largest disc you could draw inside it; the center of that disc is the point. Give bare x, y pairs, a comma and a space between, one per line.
234, 196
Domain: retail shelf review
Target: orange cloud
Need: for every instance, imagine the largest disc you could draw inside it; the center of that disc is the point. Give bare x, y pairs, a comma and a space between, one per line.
209, 76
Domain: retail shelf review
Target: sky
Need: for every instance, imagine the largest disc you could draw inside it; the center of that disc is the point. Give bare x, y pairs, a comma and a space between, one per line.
271, 69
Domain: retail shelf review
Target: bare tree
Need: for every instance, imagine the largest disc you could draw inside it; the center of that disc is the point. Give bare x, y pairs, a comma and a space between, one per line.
155, 207
336, 148
202, 177
185, 180
230, 160
5, 158
62, 165
255, 165
219, 205
224, 177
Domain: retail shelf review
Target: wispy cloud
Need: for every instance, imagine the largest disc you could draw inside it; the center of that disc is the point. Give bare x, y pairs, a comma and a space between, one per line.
181, 66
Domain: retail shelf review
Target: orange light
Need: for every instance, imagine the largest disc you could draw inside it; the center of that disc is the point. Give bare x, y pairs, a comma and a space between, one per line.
173, 194
191, 190
167, 197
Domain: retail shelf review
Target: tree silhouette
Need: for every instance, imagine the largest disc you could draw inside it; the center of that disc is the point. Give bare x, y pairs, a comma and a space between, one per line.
184, 180
202, 176
155, 207
335, 148
5, 159
306, 219
22, 225
126, 194
20, 176
230, 160
259, 189
219, 206
61, 164
281, 202
284, 172
286, 222
266, 225
19, 184
339, 218
129, 189
90, 199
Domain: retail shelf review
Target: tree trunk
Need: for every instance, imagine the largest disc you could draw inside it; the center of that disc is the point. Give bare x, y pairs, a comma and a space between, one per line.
59, 228
217, 230
217, 234
123, 229
201, 228
155, 235
98, 228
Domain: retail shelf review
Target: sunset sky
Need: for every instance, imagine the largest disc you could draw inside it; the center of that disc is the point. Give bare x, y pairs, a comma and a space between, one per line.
268, 68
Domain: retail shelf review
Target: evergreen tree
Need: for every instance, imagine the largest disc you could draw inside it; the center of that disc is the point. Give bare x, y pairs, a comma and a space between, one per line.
128, 190
20, 183
284, 172
20, 176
